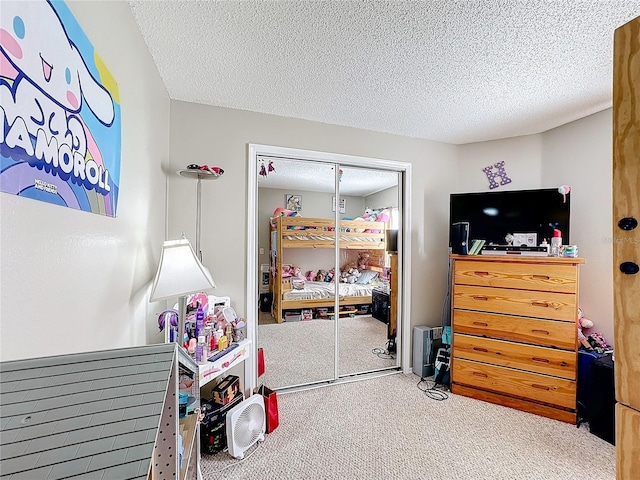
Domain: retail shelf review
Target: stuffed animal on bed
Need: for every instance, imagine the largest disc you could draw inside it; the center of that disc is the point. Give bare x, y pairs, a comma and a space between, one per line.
363, 261
287, 271
353, 275
320, 275
329, 276
310, 276
297, 273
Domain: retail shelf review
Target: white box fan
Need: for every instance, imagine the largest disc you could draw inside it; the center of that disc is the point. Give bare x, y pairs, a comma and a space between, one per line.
246, 424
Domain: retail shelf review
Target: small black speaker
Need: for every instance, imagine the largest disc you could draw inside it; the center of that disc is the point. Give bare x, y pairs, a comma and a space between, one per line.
459, 238
602, 419
392, 240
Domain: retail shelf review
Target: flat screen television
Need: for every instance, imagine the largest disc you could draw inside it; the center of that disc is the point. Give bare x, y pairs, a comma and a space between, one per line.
493, 215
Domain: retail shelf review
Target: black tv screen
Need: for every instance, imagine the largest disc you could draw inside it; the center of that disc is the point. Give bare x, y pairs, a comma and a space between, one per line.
493, 215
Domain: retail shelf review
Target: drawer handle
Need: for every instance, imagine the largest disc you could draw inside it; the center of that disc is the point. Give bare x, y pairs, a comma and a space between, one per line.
478, 374
481, 324
479, 349
541, 277
481, 274
543, 332
540, 387
540, 304
540, 360
479, 297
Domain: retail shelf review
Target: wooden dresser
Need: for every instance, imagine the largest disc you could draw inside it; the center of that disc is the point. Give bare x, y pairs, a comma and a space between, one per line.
514, 332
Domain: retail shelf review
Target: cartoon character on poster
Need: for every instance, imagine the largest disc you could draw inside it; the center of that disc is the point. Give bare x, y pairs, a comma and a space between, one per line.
60, 132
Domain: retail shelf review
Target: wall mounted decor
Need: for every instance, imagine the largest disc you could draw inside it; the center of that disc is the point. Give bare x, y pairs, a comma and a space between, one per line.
499, 172
59, 108
293, 202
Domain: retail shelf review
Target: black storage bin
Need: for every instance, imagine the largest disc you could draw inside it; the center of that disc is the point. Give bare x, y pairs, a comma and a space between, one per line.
213, 428
380, 305
585, 359
266, 299
603, 399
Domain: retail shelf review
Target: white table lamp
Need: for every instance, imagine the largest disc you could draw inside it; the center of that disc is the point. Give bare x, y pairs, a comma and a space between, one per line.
179, 274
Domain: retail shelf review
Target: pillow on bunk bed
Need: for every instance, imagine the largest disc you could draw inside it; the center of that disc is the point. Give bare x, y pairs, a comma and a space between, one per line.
367, 276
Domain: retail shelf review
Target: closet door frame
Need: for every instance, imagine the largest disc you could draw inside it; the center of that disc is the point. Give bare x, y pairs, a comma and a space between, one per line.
257, 150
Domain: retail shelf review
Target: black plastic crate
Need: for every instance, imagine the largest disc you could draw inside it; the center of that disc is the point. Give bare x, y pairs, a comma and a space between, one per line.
213, 428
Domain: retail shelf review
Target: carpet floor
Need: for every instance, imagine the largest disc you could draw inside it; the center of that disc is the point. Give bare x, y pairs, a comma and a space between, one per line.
299, 353
386, 428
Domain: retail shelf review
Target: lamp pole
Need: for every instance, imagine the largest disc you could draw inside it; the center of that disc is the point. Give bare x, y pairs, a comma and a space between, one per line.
199, 175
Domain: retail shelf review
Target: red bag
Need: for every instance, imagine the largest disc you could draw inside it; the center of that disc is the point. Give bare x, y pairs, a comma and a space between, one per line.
270, 406
260, 362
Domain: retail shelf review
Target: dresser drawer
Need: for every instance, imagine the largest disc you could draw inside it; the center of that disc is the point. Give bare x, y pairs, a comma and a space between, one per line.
532, 386
526, 303
548, 361
526, 276
548, 333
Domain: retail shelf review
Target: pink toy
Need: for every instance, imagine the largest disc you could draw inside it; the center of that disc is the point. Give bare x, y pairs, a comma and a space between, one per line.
287, 271
563, 190
297, 273
383, 216
583, 322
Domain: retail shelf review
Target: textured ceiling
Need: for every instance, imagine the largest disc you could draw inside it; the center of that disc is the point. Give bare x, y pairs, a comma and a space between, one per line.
452, 71
300, 176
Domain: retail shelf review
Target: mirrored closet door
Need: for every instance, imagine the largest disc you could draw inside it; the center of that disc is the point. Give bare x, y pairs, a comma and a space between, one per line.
323, 256
296, 253
365, 329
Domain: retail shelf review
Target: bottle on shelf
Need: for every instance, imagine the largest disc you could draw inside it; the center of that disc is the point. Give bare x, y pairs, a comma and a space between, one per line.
201, 350
199, 321
556, 243
545, 244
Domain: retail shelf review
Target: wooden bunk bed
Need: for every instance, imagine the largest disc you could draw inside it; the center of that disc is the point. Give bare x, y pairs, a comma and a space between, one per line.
314, 233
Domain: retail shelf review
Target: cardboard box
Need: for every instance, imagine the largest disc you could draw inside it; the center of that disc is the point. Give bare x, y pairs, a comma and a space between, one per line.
226, 390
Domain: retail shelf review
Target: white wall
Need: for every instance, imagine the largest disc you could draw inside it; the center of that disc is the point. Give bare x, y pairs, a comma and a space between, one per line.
74, 281
219, 136
384, 198
578, 154
522, 163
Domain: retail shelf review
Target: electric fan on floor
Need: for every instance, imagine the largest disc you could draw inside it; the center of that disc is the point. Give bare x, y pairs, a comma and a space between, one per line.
246, 424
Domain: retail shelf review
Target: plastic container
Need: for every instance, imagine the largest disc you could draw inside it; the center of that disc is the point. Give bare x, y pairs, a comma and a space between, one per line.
556, 243
199, 321
201, 350
545, 245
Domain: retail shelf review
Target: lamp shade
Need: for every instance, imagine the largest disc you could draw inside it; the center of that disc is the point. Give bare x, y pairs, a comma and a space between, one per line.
180, 272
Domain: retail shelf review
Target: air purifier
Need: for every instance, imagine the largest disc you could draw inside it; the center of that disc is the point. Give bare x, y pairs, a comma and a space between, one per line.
423, 339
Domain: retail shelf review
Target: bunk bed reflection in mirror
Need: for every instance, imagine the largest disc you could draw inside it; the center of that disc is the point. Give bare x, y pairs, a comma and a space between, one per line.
364, 239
